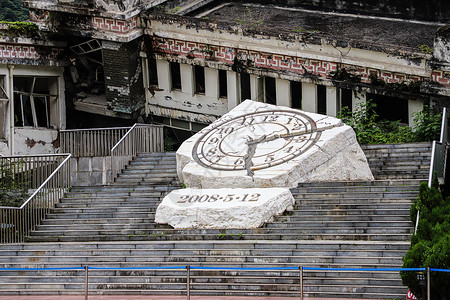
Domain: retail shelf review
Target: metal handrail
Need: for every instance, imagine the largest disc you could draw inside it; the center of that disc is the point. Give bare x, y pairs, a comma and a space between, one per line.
17, 222
90, 129
438, 158
139, 138
90, 142
46, 180
298, 286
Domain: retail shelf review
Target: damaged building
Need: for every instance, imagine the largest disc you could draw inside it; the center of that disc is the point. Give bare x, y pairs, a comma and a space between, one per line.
186, 63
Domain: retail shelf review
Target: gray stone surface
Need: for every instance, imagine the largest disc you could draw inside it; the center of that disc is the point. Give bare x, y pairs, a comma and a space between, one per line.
329, 152
222, 208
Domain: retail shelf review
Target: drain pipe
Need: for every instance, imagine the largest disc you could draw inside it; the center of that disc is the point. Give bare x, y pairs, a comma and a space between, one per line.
11, 110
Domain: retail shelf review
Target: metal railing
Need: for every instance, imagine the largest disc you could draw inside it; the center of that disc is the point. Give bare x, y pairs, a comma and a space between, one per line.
190, 279
438, 158
140, 138
438, 153
91, 142
45, 177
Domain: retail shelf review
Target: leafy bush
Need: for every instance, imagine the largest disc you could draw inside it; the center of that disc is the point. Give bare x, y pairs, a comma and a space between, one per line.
13, 189
430, 245
370, 129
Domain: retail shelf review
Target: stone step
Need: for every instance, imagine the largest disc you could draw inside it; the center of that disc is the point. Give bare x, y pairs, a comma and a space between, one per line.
103, 221
151, 202
342, 217
219, 233
352, 189
149, 173
338, 208
121, 215
225, 259
338, 223
359, 195
345, 201
211, 245
140, 235
352, 212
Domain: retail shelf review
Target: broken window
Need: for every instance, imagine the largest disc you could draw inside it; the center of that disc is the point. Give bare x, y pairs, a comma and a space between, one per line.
175, 74
270, 90
86, 69
390, 108
346, 99
296, 94
3, 94
245, 86
223, 88
199, 73
322, 99
35, 100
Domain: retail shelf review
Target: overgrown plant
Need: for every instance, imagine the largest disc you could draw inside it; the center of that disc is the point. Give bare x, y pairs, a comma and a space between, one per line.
13, 183
430, 245
249, 19
22, 28
370, 129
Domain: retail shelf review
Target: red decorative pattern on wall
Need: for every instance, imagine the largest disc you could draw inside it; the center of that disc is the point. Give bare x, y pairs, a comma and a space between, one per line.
441, 77
113, 25
12, 51
297, 65
39, 16
18, 51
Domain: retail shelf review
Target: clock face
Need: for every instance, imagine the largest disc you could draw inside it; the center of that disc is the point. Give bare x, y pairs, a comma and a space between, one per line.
256, 140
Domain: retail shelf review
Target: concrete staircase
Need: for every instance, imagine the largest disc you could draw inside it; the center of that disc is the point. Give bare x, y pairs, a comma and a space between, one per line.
337, 225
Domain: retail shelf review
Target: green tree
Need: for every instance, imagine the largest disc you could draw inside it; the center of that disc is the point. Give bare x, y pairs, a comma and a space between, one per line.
13, 10
430, 245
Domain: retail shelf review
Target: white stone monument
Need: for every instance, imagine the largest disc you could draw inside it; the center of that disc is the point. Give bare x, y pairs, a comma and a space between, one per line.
239, 169
222, 208
262, 145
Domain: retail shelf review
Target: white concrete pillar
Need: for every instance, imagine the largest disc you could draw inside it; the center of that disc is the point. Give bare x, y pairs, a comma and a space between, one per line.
309, 97
211, 83
283, 92
332, 101
187, 79
164, 78
233, 89
254, 87
413, 106
358, 98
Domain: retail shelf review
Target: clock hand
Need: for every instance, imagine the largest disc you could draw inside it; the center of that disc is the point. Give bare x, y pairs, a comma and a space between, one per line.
253, 143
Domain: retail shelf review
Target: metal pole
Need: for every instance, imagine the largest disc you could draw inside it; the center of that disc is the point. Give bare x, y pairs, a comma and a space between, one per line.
86, 282
188, 282
301, 282
428, 283
11, 110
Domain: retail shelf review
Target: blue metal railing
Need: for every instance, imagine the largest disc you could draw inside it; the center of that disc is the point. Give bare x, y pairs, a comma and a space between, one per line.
188, 268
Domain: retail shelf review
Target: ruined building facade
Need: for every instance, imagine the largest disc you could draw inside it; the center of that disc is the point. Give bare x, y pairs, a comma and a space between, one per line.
186, 63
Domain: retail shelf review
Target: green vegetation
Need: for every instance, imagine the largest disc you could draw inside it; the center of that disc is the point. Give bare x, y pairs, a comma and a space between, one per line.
370, 129
22, 28
430, 245
12, 10
426, 49
249, 19
13, 186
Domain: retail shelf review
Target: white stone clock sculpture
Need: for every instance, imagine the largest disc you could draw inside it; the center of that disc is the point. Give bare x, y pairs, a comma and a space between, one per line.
263, 147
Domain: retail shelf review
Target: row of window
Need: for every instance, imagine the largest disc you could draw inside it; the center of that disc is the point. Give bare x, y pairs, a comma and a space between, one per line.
267, 91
